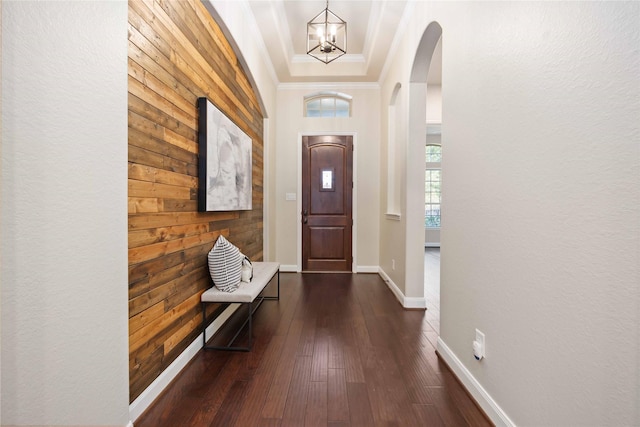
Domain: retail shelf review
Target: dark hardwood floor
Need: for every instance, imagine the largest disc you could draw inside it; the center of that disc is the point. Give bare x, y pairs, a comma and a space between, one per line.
337, 350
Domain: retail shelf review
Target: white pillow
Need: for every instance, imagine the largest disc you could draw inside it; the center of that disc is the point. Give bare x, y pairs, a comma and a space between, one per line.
225, 265
247, 270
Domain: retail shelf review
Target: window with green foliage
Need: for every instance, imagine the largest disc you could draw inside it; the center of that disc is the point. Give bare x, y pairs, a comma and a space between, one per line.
432, 186
327, 104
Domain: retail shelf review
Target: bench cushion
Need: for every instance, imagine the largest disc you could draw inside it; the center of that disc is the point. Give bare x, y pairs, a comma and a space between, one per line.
263, 272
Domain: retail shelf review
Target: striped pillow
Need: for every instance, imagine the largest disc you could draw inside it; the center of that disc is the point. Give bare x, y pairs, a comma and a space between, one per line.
225, 265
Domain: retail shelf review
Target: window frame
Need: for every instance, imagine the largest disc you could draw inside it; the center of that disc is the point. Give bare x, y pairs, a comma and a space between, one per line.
430, 166
334, 98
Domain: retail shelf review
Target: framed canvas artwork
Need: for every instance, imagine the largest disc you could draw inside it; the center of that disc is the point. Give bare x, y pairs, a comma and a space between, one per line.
225, 162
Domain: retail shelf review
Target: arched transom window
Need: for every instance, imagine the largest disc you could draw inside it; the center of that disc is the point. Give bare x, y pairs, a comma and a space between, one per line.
327, 104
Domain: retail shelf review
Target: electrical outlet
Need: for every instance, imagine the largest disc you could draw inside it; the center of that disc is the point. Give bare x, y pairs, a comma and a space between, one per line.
393, 264
479, 346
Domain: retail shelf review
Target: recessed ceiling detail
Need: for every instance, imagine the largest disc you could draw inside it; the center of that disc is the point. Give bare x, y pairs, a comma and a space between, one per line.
373, 26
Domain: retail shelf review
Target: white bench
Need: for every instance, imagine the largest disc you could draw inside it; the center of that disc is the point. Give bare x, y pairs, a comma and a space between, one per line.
246, 294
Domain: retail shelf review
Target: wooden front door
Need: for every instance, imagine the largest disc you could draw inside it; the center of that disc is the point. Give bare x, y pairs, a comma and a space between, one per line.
327, 184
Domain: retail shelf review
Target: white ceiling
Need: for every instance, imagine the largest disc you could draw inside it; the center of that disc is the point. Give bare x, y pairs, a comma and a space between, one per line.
371, 29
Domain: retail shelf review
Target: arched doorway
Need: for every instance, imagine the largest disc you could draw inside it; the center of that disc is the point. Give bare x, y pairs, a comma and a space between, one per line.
416, 162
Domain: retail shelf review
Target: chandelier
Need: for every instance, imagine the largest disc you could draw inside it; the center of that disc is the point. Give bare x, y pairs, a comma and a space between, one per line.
326, 36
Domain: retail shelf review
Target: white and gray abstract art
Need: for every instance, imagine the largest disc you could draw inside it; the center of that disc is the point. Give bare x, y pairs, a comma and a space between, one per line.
229, 164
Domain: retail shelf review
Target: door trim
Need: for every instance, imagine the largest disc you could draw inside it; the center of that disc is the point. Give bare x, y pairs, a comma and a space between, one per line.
354, 193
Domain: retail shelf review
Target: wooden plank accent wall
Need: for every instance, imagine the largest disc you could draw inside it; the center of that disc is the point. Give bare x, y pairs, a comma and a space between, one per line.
178, 53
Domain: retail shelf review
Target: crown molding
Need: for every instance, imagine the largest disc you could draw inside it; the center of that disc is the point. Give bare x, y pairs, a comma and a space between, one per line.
329, 86
348, 57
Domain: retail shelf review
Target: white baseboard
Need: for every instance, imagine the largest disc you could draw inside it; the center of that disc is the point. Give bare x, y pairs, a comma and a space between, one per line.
367, 269
359, 268
486, 402
407, 302
146, 398
415, 303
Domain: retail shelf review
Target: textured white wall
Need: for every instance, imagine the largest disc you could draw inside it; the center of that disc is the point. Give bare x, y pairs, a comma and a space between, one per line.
540, 247
434, 103
392, 227
64, 213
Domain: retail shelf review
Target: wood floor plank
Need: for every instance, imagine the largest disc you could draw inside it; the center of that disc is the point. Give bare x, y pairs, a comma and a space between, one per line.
338, 401
228, 412
316, 409
320, 359
388, 393
295, 409
360, 331
447, 409
276, 399
308, 337
358, 360
335, 352
267, 422
466, 406
428, 415
215, 395
290, 309
353, 364
360, 414
417, 375
250, 411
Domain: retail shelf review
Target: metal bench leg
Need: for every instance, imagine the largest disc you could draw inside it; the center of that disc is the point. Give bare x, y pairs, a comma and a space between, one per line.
250, 326
229, 346
204, 324
252, 308
277, 295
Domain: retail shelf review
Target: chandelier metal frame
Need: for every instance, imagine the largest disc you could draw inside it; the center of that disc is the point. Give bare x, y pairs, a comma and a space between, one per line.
326, 36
